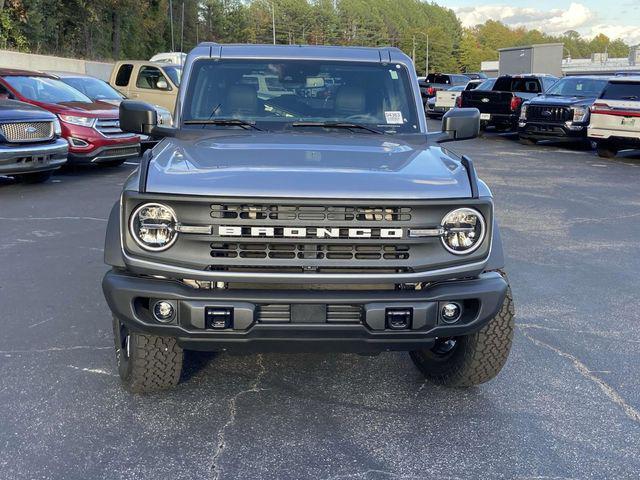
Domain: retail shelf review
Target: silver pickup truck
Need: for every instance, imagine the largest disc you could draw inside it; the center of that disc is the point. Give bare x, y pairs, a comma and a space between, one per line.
325, 218
30, 143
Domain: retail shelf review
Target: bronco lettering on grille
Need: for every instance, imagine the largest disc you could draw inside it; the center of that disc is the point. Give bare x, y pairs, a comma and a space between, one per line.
308, 232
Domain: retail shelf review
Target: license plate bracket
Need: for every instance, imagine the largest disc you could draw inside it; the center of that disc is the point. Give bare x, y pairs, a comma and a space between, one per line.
308, 313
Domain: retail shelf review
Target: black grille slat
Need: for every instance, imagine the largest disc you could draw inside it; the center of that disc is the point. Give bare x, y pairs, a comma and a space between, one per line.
357, 215
274, 313
287, 251
549, 113
344, 313
281, 313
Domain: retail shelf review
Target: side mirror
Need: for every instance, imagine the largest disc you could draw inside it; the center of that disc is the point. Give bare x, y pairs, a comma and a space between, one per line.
138, 117
162, 84
460, 124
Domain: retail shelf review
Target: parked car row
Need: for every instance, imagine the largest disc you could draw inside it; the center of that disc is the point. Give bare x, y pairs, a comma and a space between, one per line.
48, 119
587, 109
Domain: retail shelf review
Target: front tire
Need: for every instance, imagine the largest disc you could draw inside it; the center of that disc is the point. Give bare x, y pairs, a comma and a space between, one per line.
146, 363
472, 359
606, 151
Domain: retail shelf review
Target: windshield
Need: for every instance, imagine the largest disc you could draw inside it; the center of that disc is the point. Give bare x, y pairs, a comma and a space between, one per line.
175, 74
44, 89
578, 87
277, 93
487, 84
93, 88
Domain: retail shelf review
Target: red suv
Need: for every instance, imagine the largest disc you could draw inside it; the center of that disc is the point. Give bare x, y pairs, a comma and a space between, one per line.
92, 129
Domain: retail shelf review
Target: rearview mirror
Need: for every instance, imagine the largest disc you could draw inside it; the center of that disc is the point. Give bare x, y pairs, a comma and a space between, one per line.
138, 117
460, 124
162, 84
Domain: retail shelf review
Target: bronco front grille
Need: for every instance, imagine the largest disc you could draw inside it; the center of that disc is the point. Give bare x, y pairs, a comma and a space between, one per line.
292, 251
549, 114
311, 213
22, 132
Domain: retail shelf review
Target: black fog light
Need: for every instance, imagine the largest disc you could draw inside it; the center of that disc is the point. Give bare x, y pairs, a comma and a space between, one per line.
451, 312
218, 318
164, 311
398, 318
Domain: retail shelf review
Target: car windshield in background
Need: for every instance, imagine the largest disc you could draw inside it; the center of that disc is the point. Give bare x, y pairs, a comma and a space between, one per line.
435, 78
622, 91
487, 84
44, 89
578, 87
275, 94
524, 85
175, 74
93, 88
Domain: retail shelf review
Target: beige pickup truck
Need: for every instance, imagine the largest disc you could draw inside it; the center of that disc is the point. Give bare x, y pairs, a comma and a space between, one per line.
152, 82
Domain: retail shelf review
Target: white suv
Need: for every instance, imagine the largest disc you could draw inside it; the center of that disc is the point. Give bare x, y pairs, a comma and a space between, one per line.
615, 117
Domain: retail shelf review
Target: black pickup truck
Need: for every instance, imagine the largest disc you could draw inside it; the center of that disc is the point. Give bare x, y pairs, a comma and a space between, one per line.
562, 113
439, 81
500, 106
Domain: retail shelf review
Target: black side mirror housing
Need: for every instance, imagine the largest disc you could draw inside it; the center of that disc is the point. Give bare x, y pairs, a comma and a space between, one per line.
138, 117
460, 124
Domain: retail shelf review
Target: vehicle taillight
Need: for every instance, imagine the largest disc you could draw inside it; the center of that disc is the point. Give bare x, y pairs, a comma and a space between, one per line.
515, 103
431, 91
459, 102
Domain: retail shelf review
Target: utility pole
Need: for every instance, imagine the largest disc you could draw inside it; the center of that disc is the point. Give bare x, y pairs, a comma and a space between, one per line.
413, 53
426, 68
182, 32
273, 22
173, 47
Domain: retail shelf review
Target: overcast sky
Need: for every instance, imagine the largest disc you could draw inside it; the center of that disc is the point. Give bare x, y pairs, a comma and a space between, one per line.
614, 18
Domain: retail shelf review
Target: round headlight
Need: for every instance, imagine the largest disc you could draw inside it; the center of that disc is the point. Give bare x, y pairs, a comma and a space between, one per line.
153, 226
464, 230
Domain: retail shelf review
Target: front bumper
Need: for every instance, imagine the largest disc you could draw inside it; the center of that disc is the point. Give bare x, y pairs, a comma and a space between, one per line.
106, 154
131, 297
31, 158
552, 131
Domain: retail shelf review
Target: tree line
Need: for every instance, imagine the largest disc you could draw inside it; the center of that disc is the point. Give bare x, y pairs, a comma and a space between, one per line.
116, 29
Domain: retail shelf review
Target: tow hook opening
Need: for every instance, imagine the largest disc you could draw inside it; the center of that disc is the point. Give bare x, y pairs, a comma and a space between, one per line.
398, 318
218, 318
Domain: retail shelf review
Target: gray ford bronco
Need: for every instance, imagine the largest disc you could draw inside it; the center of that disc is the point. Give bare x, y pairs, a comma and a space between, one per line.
313, 215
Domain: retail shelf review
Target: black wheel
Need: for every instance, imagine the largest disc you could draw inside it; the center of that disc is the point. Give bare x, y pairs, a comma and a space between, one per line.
472, 359
36, 177
606, 151
146, 363
112, 163
527, 141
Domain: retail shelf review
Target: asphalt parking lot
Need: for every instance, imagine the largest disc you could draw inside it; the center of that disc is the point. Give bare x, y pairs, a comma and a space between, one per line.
566, 406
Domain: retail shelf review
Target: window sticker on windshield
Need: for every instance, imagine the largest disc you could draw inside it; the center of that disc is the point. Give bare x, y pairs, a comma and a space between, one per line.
394, 74
393, 117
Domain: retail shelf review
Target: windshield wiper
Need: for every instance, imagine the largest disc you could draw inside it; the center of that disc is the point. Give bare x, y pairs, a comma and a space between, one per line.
224, 121
630, 97
347, 125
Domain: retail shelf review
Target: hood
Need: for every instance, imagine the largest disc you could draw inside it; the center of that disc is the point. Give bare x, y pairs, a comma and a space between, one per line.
302, 165
555, 100
11, 110
88, 109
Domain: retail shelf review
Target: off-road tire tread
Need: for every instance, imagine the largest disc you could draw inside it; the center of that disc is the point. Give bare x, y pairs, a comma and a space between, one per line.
155, 363
483, 353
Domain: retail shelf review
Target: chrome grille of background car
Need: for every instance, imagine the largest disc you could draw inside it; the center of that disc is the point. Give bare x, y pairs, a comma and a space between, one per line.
549, 114
27, 131
109, 127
